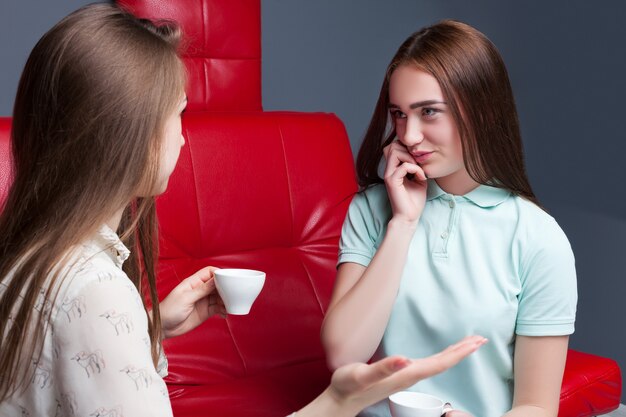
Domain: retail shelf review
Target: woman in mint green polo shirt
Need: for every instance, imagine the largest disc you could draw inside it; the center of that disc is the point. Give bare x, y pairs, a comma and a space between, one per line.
452, 241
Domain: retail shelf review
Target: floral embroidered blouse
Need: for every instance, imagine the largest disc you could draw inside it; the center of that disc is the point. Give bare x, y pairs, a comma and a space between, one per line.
96, 357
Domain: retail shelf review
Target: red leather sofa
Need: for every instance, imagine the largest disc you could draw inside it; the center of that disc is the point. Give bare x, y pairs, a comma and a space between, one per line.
269, 191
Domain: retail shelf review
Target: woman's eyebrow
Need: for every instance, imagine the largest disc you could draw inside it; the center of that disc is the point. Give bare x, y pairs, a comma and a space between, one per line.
418, 104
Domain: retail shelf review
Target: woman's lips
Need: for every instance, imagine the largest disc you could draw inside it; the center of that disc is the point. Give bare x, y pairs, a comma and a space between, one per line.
421, 157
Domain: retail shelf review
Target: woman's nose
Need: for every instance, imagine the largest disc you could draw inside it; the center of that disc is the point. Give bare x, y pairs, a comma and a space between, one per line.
413, 134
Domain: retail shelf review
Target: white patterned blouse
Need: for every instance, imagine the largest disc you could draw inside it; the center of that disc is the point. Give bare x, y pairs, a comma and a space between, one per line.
96, 357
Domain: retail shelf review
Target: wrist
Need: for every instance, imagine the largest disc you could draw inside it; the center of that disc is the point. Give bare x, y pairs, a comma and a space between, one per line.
326, 404
165, 333
400, 224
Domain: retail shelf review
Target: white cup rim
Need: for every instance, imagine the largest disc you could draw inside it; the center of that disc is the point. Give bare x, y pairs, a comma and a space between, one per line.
400, 398
239, 272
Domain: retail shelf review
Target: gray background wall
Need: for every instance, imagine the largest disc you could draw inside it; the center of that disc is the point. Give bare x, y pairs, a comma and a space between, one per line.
567, 64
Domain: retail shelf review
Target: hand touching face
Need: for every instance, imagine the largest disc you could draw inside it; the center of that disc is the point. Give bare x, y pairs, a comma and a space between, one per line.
425, 126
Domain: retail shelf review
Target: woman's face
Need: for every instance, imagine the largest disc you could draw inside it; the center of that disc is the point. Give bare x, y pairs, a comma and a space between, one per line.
426, 127
173, 141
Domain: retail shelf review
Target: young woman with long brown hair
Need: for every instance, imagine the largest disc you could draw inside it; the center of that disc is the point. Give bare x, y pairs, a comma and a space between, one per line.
451, 240
96, 134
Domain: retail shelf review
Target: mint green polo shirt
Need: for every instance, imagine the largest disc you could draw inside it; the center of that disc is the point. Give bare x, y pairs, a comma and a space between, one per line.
487, 263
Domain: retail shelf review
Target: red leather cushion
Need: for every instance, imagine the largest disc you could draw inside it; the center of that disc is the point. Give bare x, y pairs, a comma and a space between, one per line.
223, 49
592, 385
273, 394
267, 191
5, 157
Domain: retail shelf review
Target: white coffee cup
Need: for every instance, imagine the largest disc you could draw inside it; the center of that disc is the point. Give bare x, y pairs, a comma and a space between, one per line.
416, 404
239, 288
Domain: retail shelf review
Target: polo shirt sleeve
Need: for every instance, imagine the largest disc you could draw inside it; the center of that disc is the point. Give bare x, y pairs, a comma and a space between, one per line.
358, 235
547, 301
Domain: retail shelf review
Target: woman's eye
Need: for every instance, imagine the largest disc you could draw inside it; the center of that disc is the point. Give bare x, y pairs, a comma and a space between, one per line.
429, 112
397, 114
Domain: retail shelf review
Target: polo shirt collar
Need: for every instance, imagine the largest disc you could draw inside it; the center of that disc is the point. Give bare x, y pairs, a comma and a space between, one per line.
483, 196
433, 191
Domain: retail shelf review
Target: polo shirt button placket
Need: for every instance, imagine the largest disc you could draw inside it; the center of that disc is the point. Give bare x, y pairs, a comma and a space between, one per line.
445, 235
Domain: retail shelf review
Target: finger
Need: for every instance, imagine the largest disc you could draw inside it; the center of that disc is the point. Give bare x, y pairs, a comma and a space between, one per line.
463, 343
200, 277
423, 368
401, 155
200, 288
370, 374
386, 151
447, 358
212, 300
415, 174
400, 172
457, 413
396, 153
394, 144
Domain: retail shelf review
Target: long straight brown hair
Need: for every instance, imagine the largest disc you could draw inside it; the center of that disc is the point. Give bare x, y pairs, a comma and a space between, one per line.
475, 83
86, 138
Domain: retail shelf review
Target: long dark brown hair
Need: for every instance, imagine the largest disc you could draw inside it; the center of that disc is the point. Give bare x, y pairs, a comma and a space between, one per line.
87, 131
475, 83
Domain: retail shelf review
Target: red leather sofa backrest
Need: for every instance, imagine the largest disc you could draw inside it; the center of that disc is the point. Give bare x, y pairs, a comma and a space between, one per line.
222, 49
265, 191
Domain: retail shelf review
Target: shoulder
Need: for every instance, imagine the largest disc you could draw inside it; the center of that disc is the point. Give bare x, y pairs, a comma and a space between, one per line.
370, 210
536, 225
93, 272
543, 242
96, 281
373, 199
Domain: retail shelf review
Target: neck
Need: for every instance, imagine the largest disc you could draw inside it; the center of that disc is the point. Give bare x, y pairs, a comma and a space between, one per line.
114, 221
458, 183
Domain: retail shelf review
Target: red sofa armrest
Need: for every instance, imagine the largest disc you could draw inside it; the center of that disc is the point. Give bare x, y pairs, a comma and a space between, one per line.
592, 385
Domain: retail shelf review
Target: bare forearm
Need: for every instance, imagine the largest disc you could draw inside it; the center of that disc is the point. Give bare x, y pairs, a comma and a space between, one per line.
355, 325
327, 405
530, 411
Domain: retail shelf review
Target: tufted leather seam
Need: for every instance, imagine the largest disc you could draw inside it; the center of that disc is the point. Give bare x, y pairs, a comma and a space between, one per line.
204, 24
232, 337
195, 182
317, 297
282, 144
205, 84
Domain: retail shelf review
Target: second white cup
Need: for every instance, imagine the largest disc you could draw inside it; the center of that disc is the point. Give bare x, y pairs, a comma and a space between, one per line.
239, 288
416, 404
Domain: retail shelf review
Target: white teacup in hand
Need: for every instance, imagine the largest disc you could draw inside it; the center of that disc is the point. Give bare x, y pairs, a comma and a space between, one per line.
239, 288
